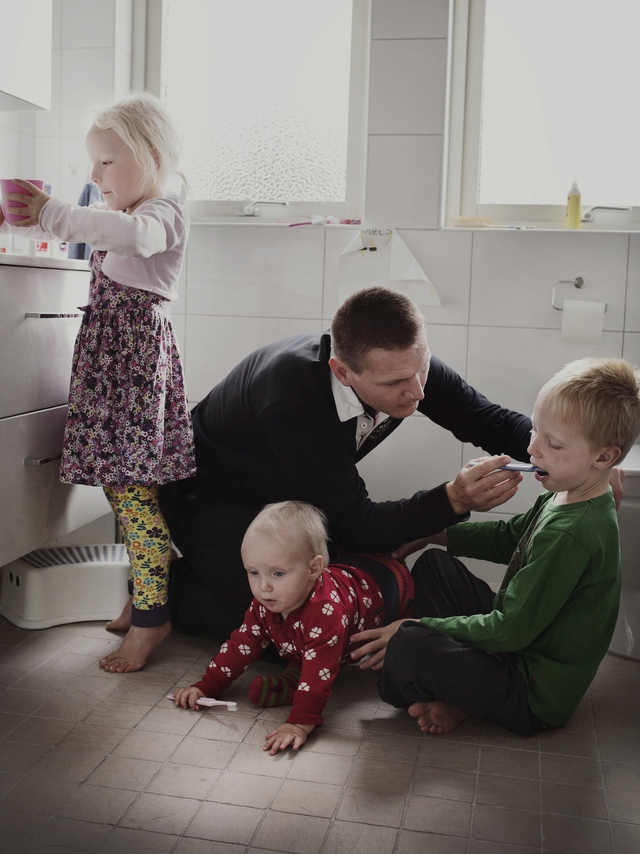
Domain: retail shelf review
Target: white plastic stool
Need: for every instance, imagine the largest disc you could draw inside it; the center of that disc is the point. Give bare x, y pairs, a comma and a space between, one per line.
65, 584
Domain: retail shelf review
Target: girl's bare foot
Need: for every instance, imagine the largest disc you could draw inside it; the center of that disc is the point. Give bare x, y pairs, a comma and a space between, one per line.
123, 622
136, 649
437, 717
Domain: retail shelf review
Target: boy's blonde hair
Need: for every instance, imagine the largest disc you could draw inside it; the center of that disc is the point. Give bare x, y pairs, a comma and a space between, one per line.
310, 524
603, 395
142, 122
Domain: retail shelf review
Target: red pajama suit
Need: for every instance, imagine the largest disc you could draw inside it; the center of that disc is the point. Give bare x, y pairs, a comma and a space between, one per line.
315, 637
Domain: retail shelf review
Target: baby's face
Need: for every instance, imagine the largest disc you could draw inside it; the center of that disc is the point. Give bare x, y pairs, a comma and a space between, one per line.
280, 578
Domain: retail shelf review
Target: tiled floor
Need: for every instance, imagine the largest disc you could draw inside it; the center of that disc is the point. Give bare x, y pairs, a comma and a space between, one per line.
91, 761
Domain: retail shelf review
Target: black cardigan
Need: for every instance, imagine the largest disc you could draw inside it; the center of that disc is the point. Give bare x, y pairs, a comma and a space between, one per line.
270, 432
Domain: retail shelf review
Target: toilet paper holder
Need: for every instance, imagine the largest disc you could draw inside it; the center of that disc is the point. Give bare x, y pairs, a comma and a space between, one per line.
578, 282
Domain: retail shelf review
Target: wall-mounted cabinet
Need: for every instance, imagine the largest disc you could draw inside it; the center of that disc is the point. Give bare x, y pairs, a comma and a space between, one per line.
25, 54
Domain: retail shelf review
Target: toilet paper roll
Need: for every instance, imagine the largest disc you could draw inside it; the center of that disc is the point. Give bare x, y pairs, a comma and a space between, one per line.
582, 321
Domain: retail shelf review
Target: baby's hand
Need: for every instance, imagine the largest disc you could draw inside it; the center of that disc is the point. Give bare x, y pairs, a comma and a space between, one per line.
288, 735
188, 697
30, 205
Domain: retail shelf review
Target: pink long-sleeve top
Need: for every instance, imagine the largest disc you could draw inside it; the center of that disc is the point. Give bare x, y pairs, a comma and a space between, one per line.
316, 637
145, 249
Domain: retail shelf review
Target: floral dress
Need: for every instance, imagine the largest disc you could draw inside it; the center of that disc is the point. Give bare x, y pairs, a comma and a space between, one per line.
128, 420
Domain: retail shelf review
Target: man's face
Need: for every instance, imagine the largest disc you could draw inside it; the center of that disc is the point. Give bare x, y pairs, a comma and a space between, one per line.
391, 381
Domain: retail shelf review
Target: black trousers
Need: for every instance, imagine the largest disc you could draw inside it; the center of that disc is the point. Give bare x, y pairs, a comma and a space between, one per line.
208, 587
422, 665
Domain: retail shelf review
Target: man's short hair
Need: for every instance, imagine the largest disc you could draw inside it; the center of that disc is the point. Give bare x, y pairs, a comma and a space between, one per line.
603, 395
309, 522
374, 318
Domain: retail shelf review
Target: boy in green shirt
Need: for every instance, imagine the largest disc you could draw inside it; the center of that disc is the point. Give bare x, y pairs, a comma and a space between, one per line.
522, 659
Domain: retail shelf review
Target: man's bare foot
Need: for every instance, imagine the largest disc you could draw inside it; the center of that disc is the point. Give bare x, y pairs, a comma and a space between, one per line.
123, 622
437, 717
137, 648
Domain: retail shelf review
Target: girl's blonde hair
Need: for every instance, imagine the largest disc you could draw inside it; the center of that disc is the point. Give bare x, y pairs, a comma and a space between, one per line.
309, 522
142, 122
603, 396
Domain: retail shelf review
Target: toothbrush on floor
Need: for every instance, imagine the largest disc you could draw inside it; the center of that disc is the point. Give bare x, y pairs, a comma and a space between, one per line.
209, 701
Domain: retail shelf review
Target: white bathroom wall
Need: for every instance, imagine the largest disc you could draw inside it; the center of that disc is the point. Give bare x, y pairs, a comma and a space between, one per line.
247, 285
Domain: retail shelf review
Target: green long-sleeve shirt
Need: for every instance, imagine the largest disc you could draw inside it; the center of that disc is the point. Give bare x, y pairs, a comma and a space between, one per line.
558, 602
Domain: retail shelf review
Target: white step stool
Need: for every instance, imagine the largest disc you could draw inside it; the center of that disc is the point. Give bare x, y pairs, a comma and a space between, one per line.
65, 584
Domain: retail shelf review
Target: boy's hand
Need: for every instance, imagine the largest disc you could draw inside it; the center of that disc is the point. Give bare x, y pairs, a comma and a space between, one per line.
375, 644
287, 735
188, 697
34, 203
480, 487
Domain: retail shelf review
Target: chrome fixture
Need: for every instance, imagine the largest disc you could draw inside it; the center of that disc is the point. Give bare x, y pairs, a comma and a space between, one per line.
251, 209
578, 282
588, 216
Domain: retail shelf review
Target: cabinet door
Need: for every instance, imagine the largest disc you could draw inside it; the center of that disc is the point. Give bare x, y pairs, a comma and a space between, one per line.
37, 351
34, 506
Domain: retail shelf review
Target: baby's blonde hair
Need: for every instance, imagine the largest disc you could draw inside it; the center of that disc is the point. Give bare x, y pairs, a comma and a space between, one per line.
310, 524
144, 125
603, 396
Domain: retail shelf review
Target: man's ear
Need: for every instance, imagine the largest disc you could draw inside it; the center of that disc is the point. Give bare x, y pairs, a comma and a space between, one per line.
608, 457
340, 370
316, 565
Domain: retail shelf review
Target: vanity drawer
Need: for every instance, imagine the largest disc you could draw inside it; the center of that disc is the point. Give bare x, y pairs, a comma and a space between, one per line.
34, 506
36, 351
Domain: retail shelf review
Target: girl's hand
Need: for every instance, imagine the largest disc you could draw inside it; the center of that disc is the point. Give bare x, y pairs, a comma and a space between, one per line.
375, 644
287, 735
32, 205
188, 697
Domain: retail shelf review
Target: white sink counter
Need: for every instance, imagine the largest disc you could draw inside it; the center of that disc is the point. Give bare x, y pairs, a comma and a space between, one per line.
42, 262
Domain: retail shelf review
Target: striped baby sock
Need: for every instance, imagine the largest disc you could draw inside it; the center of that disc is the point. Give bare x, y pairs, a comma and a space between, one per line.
274, 690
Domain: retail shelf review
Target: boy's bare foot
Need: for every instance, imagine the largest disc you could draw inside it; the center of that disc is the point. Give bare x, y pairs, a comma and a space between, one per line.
123, 622
437, 717
137, 648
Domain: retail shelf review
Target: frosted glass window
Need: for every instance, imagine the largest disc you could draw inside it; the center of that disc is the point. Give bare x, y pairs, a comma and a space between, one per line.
560, 97
260, 92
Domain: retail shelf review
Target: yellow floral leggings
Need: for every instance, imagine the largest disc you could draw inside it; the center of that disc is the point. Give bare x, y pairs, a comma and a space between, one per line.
146, 537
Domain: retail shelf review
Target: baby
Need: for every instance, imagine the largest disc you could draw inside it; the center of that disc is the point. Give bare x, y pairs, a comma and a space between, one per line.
309, 608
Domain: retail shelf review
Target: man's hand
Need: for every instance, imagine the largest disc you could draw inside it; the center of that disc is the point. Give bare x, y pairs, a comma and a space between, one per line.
287, 735
375, 644
616, 482
30, 205
480, 487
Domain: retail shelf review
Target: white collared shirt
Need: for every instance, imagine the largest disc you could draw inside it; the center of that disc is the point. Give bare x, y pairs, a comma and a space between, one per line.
349, 405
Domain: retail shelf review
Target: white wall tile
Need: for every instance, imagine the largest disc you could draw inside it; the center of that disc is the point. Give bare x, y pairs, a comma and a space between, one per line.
86, 79
121, 74
513, 275
88, 24
74, 168
407, 86
216, 344
445, 257
410, 19
417, 455
336, 241
255, 271
47, 162
631, 348
9, 153
10, 119
124, 26
632, 315
449, 343
56, 35
27, 156
510, 365
403, 181
47, 122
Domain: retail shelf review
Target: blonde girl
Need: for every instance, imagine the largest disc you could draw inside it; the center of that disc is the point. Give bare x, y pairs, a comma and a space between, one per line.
128, 425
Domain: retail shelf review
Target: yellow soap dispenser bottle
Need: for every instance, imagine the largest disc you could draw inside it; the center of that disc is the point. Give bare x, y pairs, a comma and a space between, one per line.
573, 214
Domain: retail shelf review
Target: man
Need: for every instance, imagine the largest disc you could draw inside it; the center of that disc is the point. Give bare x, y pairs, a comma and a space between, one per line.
292, 420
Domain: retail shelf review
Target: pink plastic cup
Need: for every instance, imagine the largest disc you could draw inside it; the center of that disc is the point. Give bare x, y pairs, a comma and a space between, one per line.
8, 186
